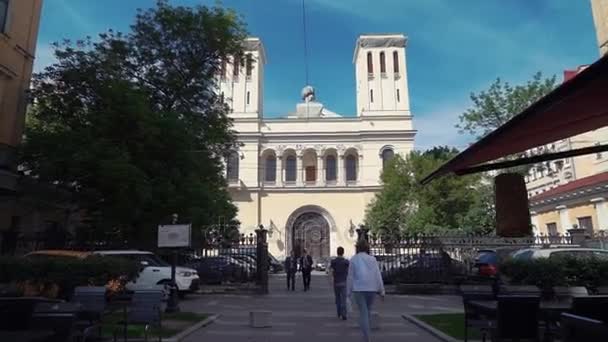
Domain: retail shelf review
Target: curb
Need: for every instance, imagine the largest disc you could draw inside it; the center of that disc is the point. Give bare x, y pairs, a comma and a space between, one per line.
437, 333
187, 332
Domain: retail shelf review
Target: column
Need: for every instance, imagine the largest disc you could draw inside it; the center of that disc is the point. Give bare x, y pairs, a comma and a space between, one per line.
564, 219
535, 223
279, 175
299, 171
341, 171
601, 210
320, 173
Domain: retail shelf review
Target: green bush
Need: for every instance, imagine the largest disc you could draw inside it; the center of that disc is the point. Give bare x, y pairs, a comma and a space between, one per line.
549, 272
66, 272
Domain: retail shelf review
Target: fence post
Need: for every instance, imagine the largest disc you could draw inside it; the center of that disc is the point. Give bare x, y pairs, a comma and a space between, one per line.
262, 259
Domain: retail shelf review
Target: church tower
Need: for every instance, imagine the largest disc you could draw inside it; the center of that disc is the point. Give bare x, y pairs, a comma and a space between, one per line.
241, 83
381, 75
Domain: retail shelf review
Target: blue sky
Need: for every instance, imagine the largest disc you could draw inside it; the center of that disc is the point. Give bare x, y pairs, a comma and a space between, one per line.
454, 47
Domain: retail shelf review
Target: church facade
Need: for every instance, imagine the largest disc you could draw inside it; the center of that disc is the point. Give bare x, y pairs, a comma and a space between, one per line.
309, 176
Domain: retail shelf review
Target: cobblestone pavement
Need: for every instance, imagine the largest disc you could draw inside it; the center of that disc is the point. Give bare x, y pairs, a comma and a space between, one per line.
310, 316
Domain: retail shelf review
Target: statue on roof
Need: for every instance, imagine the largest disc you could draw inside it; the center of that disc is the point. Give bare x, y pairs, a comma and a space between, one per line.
308, 94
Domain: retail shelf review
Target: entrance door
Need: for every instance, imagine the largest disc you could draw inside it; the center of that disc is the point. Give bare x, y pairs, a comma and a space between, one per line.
311, 232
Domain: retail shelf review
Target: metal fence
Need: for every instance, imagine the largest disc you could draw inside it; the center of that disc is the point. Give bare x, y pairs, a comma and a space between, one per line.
444, 259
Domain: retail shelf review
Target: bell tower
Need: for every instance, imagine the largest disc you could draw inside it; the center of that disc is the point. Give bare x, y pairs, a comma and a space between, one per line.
241, 83
381, 75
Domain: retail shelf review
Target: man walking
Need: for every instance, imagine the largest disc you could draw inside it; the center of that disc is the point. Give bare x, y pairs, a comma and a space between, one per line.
306, 266
291, 267
339, 271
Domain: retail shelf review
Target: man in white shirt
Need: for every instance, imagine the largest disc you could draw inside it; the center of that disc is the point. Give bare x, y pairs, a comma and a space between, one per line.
364, 282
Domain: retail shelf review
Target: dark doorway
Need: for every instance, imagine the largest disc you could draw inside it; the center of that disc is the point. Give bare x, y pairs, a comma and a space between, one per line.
311, 232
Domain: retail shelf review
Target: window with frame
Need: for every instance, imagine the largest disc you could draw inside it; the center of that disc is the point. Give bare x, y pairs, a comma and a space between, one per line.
290, 169
236, 66
370, 64
223, 69
249, 66
398, 96
232, 167
552, 228
387, 155
270, 173
351, 168
585, 223
4, 15
382, 63
330, 168
395, 62
311, 174
371, 96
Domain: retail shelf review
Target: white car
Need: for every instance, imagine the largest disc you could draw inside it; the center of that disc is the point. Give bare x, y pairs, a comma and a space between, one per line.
156, 272
536, 253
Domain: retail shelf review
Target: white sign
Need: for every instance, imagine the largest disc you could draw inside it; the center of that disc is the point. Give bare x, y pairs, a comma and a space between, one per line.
174, 235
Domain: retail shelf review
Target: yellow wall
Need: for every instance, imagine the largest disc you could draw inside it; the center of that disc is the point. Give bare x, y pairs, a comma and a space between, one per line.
574, 212
587, 209
548, 217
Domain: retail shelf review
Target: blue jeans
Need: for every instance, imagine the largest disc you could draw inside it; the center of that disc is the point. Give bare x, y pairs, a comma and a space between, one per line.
364, 301
340, 292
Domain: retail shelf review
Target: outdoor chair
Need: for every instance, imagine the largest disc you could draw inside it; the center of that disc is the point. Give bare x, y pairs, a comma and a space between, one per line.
517, 318
93, 302
472, 318
578, 328
518, 290
57, 317
593, 307
602, 290
566, 292
145, 309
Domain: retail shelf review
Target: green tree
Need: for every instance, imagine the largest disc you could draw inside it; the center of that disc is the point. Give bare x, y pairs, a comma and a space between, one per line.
446, 204
131, 124
496, 105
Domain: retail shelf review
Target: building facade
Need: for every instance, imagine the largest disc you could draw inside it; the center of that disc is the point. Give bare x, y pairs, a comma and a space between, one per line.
600, 18
309, 176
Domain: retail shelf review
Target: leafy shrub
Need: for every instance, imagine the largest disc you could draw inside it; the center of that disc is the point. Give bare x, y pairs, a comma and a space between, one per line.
65, 273
549, 272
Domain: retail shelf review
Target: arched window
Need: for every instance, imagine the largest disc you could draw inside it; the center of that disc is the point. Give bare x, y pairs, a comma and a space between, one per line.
398, 96
382, 63
236, 66
290, 169
387, 155
223, 69
396, 62
330, 168
249, 65
351, 168
232, 167
371, 96
248, 97
270, 169
370, 64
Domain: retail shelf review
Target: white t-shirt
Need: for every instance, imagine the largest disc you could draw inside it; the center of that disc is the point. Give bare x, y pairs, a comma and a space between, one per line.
364, 275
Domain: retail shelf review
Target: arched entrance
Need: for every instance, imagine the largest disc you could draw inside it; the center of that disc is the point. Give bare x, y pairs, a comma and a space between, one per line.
309, 228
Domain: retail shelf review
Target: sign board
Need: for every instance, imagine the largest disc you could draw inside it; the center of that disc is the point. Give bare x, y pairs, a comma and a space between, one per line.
174, 235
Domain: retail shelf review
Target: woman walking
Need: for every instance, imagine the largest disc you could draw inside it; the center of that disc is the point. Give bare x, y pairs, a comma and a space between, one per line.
364, 283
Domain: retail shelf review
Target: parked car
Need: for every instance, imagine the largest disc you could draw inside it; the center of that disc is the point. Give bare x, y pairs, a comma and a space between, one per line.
275, 266
322, 264
536, 253
487, 261
220, 269
156, 271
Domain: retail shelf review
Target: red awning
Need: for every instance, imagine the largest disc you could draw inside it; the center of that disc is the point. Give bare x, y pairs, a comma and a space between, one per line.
577, 106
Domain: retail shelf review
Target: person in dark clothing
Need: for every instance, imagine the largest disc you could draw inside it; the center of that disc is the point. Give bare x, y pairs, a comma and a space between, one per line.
339, 270
306, 267
291, 267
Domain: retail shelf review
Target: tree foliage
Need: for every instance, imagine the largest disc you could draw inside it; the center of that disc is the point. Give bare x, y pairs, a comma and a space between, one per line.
131, 123
448, 203
500, 102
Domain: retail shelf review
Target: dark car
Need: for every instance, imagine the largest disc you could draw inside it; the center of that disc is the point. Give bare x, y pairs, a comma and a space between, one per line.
218, 269
275, 266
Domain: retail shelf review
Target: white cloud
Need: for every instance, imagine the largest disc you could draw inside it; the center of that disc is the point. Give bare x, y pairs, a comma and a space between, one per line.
437, 127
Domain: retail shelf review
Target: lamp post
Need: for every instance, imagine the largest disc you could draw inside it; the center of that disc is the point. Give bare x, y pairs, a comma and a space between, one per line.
173, 302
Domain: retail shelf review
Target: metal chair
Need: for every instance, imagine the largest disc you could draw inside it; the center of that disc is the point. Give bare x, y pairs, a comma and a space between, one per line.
517, 318
93, 301
145, 309
593, 307
519, 290
472, 319
578, 328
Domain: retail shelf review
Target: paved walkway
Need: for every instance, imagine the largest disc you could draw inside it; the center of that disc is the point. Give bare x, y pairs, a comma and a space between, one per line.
310, 316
